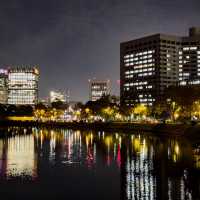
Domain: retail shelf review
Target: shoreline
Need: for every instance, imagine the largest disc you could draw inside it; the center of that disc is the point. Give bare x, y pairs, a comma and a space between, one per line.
170, 130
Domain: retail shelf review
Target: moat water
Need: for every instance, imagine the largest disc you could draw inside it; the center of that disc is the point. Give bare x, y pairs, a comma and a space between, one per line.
67, 164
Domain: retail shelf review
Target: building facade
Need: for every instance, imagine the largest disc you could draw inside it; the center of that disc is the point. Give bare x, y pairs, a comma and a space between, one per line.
23, 85
189, 58
151, 64
3, 86
98, 88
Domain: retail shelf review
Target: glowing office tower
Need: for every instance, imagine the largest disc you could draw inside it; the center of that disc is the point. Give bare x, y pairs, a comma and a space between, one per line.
151, 64
23, 85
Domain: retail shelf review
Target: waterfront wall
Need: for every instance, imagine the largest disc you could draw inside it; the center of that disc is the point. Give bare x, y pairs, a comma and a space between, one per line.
156, 129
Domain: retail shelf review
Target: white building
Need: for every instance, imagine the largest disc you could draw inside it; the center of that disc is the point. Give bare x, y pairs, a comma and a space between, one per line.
23, 85
58, 96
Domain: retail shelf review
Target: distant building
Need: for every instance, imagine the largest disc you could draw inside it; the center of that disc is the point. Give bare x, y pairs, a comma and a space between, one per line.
73, 104
3, 86
44, 101
58, 96
23, 85
149, 65
98, 88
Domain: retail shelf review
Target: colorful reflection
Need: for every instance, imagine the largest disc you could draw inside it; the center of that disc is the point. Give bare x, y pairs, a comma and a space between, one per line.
148, 167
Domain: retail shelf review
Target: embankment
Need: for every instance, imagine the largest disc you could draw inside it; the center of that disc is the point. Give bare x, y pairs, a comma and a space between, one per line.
174, 130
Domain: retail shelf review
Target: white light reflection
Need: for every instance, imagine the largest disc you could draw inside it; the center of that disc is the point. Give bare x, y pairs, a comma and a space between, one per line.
140, 182
21, 160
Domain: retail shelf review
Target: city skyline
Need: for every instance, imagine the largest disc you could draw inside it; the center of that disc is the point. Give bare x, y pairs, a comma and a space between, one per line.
74, 41
100, 99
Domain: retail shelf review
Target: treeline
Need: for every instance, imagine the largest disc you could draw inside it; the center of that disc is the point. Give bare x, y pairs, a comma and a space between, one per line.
178, 103
181, 102
12, 110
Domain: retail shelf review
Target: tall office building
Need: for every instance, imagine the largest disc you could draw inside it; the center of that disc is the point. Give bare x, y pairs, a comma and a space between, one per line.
148, 65
189, 58
23, 85
3, 86
98, 89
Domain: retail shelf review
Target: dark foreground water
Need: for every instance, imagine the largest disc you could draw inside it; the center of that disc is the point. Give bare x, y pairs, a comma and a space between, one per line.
66, 164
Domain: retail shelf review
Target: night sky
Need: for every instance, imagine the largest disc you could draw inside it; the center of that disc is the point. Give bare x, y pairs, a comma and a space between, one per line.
75, 40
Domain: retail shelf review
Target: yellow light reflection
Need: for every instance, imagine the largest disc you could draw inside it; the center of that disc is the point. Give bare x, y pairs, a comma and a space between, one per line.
108, 141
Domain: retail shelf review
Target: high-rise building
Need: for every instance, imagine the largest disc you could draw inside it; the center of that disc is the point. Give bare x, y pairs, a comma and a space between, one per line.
23, 85
148, 65
189, 58
58, 96
98, 88
3, 86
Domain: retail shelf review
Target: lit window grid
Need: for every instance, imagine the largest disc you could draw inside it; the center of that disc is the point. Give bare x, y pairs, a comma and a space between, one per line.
184, 59
138, 87
139, 58
23, 87
140, 70
190, 48
143, 71
98, 89
140, 62
20, 97
139, 53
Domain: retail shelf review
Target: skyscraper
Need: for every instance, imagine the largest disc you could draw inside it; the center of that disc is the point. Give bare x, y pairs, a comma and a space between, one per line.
3, 86
23, 85
98, 88
148, 65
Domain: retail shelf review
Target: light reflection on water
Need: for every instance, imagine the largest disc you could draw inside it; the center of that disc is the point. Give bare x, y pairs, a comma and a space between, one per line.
144, 167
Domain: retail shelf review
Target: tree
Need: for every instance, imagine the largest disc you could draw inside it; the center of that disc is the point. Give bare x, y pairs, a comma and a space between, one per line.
125, 111
196, 109
174, 110
97, 106
110, 113
40, 106
11, 110
184, 96
59, 105
2, 110
25, 110
78, 106
141, 110
158, 108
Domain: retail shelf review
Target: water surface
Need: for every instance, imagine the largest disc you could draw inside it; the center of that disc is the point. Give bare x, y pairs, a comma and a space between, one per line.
66, 164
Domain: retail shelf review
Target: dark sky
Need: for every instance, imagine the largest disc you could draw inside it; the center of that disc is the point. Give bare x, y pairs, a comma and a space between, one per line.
74, 40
